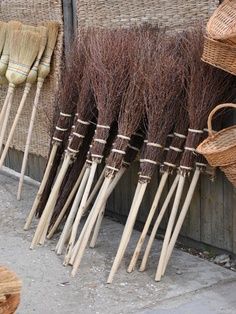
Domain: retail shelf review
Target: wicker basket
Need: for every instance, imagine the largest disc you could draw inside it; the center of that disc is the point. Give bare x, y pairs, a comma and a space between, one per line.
10, 287
222, 24
220, 55
220, 148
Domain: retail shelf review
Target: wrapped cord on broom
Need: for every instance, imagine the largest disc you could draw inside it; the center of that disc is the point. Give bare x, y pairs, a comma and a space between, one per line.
206, 88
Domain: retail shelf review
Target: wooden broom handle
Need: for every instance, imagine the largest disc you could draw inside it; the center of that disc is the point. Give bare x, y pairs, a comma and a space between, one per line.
209, 121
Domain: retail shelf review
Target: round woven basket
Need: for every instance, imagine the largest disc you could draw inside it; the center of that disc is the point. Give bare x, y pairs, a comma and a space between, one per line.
220, 148
222, 24
220, 55
10, 287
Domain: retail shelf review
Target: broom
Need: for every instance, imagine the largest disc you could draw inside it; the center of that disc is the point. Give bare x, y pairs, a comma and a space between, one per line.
127, 122
172, 159
81, 196
132, 150
43, 71
66, 102
206, 88
4, 60
24, 47
171, 162
31, 79
3, 31
84, 110
169, 166
165, 68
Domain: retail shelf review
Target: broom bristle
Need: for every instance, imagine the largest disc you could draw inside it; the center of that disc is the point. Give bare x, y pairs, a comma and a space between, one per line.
3, 30
42, 31
4, 60
44, 67
23, 51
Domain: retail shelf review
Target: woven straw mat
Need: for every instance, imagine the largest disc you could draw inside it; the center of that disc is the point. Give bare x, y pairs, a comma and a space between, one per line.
33, 12
173, 15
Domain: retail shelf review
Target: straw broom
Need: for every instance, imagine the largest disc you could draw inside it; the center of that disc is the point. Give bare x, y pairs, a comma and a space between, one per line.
3, 31
165, 68
66, 102
4, 60
207, 87
31, 79
84, 110
21, 57
43, 71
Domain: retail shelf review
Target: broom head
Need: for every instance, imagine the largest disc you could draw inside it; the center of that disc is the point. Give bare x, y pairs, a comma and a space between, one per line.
23, 52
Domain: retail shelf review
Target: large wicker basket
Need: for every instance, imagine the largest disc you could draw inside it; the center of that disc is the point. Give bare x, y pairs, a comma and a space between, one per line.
220, 148
10, 287
220, 55
222, 24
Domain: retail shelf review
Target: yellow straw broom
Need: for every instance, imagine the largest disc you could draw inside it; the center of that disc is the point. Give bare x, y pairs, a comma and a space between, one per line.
43, 71
4, 60
31, 79
3, 30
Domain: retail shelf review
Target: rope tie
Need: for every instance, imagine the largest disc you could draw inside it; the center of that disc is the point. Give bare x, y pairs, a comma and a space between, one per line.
78, 135
103, 126
201, 164
179, 135
65, 114
123, 137
185, 167
190, 149
99, 140
170, 135
83, 122
195, 131
122, 152
144, 177
60, 129
169, 164
176, 149
72, 150
149, 161
154, 145
56, 139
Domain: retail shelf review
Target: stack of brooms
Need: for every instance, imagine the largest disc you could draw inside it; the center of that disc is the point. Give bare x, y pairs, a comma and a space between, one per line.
25, 57
133, 90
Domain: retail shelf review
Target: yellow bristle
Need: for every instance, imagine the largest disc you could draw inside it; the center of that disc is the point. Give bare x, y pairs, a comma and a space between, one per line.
23, 52
3, 28
32, 77
4, 60
44, 66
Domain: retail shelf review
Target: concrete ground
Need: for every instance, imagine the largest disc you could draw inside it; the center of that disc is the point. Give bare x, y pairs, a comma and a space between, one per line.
191, 285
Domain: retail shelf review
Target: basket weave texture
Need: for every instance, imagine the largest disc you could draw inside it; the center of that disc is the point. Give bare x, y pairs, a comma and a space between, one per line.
220, 148
33, 12
173, 15
222, 24
10, 287
220, 55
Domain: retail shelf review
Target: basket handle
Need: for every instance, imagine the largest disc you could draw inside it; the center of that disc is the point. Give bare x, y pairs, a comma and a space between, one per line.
209, 121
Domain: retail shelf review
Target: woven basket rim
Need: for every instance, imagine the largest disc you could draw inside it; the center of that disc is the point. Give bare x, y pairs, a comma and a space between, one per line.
214, 16
202, 146
220, 43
